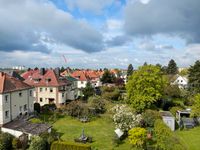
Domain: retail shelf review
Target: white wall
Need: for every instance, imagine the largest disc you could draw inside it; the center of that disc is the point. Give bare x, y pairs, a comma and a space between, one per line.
170, 122
81, 84
13, 103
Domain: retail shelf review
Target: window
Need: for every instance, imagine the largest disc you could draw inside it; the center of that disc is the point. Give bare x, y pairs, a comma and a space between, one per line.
63, 94
6, 98
25, 107
45, 89
40, 89
181, 80
81, 82
51, 90
30, 93
6, 114
41, 99
20, 108
20, 94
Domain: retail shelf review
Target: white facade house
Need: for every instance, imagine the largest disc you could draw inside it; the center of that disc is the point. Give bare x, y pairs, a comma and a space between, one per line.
181, 81
16, 98
50, 88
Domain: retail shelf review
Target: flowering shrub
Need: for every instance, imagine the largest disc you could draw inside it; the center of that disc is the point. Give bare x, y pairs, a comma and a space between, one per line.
124, 118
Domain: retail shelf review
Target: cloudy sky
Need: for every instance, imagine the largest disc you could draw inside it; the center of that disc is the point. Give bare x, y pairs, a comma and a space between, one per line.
98, 33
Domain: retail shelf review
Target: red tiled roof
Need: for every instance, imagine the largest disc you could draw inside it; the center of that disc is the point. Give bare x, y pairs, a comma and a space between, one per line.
48, 79
79, 75
10, 84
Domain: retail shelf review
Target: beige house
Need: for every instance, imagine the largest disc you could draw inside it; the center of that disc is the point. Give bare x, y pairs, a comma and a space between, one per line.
49, 86
16, 98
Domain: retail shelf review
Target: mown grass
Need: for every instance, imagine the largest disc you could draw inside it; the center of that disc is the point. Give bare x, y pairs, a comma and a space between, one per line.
101, 129
190, 138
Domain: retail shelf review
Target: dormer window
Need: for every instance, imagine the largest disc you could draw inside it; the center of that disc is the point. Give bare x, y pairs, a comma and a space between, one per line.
20, 94
48, 80
36, 80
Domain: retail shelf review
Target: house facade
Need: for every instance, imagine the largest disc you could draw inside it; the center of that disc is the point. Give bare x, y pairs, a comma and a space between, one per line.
16, 98
50, 88
181, 81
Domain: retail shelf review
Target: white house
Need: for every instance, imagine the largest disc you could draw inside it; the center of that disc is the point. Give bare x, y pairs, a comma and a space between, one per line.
16, 98
181, 81
50, 88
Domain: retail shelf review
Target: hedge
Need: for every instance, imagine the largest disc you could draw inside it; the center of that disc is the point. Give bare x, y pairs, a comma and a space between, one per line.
69, 146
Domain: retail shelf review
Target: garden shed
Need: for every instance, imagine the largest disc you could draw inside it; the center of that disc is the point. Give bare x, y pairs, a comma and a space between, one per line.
168, 119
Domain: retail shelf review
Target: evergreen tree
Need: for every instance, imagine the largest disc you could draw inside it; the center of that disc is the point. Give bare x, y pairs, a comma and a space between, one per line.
194, 77
172, 67
130, 70
62, 69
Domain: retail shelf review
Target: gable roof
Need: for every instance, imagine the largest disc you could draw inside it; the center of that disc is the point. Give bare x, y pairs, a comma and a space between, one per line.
10, 84
49, 78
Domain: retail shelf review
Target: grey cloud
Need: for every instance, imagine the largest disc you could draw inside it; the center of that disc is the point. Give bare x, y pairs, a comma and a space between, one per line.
180, 17
118, 40
22, 22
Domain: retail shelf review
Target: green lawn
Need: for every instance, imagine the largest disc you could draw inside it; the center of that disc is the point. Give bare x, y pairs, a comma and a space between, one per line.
101, 129
191, 138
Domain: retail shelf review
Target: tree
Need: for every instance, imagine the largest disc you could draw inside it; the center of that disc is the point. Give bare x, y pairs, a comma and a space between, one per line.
37, 143
137, 137
6, 141
88, 91
196, 106
145, 87
172, 67
194, 77
149, 117
130, 70
62, 69
124, 118
108, 77
37, 107
165, 138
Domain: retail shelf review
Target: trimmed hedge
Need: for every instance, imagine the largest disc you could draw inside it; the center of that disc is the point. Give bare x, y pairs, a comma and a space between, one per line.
69, 146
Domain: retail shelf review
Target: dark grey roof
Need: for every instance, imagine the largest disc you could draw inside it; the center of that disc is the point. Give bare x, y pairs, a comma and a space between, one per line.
28, 127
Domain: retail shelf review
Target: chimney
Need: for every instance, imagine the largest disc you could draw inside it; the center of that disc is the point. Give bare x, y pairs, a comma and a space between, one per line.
42, 71
57, 71
1, 74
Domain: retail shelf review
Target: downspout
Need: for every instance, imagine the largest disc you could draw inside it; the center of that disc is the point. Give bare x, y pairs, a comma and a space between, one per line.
10, 107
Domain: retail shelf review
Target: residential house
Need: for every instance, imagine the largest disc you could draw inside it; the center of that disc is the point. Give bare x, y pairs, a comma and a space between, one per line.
50, 87
181, 81
16, 98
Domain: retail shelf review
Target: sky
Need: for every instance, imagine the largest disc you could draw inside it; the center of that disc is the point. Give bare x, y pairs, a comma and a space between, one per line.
98, 33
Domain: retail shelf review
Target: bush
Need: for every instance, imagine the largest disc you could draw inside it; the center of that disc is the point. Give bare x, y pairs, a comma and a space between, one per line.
37, 143
165, 138
124, 118
16, 143
173, 110
110, 93
77, 109
137, 137
37, 107
6, 141
48, 107
97, 103
69, 146
149, 117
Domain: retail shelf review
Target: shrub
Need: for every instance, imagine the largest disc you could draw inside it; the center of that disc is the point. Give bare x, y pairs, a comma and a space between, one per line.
69, 146
77, 109
16, 143
6, 141
124, 118
149, 117
165, 138
37, 143
97, 103
110, 93
173, 110
137, 137
37, 107
49, 107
